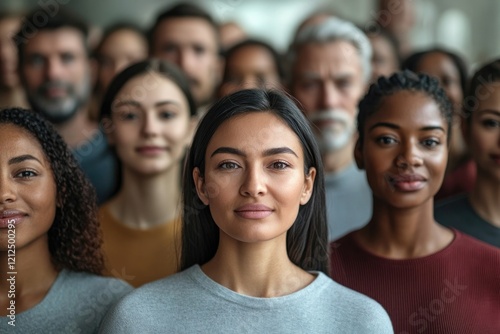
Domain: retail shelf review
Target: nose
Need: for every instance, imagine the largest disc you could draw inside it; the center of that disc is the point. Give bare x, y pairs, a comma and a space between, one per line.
54, 69
330, 97
186, 61
150, 126
254, 183
7, 193
409, 156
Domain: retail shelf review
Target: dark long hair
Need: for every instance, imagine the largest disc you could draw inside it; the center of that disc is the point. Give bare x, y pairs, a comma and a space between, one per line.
74, 237
307, 238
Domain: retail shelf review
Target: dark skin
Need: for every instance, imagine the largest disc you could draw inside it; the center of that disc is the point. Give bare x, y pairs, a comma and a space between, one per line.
28, 196
404, 152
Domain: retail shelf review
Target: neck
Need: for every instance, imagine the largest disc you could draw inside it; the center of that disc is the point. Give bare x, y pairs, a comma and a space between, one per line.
77, 130
35, 274
144, 202
484, 198
403, 233
334, 162
12, 97
256, 269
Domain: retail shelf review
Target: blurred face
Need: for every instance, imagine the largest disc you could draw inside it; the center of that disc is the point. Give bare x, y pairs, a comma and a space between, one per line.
121, 49
151, 124
404, 151
55, 73
250, 67
191, 43
254, 178
8, 53
27, 188
442, 67
483, 134
384, 60
328, 82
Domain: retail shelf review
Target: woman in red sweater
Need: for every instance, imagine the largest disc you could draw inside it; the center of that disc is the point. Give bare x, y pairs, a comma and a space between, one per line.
429, 278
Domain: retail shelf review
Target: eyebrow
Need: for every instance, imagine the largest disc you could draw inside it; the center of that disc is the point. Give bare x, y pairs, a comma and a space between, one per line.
490, 111
137, 104
22, 158
268, 152
397, 127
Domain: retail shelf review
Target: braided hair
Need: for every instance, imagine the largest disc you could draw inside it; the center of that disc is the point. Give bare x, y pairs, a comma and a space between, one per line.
408, 81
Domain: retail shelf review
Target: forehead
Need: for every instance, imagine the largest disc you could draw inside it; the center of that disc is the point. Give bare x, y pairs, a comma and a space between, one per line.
151, 87
334, 57
411, 108
436, 63
186, 30
255, 132
65, 39
251, 55
15, 140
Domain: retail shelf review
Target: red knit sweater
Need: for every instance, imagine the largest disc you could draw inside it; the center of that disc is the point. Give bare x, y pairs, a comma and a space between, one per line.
456, 290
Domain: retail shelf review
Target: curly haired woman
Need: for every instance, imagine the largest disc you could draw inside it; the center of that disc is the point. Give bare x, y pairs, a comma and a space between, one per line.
49, 234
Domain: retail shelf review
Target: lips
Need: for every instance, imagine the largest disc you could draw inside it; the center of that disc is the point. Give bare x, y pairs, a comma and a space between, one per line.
11, 217
407, 182
150, 150
254, 211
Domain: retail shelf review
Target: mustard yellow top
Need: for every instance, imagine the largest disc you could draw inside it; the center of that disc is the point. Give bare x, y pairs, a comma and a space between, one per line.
139, 256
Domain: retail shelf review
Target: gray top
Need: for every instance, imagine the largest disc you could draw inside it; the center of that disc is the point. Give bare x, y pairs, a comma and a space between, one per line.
348, 201
76, 303
457, 212
191, 302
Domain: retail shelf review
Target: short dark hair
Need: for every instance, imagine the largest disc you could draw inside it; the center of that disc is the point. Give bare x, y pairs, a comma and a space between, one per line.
307, 238
487, 74
399, 81
31, 25
74, 239
183, 10
412, 62
254, 42
162, 67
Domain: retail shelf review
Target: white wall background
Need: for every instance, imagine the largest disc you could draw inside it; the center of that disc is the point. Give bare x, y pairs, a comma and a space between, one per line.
469, 27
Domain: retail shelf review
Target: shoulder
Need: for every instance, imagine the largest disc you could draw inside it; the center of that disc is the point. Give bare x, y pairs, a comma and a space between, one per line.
85, 284
355, 309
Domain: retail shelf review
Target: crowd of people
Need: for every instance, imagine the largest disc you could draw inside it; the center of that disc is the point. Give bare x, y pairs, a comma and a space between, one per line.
190, 178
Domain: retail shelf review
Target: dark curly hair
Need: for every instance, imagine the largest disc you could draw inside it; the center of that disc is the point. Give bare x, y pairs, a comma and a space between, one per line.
403, 80
74, 237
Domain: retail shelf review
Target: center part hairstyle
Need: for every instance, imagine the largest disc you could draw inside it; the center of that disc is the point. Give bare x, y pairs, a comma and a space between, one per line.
74, 237
333, 30
403, 81
307, 238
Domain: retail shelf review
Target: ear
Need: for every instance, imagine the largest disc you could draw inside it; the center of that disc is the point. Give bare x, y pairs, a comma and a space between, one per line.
358, 155
199, 183
308, 186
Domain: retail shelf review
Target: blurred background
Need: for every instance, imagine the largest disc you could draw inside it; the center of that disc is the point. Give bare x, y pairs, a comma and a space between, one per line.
467, 27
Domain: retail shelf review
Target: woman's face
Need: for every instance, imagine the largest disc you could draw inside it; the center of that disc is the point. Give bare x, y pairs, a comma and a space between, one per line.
250, 67
27, 188
442, 67
404, 151
121, 49
483, 133
151, 124
254, 180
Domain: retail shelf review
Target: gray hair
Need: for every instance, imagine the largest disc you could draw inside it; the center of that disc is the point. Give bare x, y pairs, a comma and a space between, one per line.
330, 30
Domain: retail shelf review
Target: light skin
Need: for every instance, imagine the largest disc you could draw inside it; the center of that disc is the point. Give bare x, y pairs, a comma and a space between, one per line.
11, 92
150, 134
252, 258
440, 66
482, 133
191, 43
59, 56
250, 67
404, 153
327, 76
27, 186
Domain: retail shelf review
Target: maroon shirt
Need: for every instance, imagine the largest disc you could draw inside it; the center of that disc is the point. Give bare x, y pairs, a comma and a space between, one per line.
456, 290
